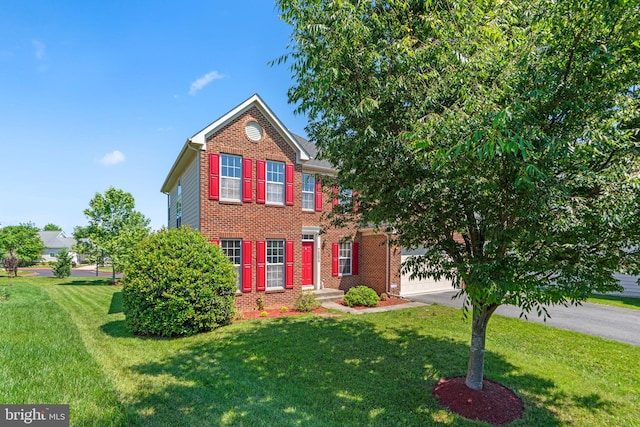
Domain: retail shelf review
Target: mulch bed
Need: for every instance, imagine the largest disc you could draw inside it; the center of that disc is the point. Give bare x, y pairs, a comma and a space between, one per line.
494, 404
277, 312
320, 311
386, 303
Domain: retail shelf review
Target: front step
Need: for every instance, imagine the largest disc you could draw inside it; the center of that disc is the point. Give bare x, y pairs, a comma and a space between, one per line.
328, 295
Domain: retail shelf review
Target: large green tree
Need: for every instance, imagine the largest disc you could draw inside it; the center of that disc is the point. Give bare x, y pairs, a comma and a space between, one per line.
20, 243
115, 227
51, 227
500, 135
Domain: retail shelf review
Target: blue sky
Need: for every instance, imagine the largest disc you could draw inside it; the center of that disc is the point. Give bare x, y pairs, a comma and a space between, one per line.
105, 93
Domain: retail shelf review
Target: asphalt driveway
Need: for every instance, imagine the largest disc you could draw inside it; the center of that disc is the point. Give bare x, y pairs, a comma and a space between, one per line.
619, 324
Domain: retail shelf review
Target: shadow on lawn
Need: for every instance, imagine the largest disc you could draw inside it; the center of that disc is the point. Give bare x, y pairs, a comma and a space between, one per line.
84, 282
321, 372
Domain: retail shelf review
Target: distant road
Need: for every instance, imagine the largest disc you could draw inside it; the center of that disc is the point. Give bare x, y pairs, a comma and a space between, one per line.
75, 272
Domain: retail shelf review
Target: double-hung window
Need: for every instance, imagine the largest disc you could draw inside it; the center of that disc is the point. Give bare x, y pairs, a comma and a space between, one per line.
230, 177
275, 182
308, 192
275, 264
345, 258
232, 248
346, 197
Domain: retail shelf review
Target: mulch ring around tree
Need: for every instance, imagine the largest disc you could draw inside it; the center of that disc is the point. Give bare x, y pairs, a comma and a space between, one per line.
495, 404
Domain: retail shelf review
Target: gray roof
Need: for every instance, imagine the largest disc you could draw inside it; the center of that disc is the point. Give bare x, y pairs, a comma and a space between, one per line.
56, 239
312, 150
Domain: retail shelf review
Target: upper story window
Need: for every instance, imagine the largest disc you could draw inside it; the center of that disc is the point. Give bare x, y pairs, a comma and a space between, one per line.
346, 196
275, 182
275, 264
308, 192
232, 248
179, 205
230, 177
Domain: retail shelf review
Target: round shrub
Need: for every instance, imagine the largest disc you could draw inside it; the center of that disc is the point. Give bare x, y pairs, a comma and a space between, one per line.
176, 283
361, 296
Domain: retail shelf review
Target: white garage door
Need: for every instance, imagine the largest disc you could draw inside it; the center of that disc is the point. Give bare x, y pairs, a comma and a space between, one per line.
418, 286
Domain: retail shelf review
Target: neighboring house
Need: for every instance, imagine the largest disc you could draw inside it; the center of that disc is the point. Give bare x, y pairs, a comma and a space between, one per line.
53, 241
255, 189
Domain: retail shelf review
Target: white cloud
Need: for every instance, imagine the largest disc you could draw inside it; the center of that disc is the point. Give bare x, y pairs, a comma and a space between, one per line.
39, 49
112, 158
203, 81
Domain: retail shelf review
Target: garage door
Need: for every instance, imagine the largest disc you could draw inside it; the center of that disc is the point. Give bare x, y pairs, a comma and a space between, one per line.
418, 286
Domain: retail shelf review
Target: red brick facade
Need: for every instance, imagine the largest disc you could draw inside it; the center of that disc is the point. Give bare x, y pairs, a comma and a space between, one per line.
253, 221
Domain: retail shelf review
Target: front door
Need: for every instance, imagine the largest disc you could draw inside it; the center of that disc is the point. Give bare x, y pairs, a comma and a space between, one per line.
307, 263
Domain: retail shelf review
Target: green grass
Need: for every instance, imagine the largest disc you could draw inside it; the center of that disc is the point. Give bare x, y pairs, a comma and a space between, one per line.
616, 301
66, 342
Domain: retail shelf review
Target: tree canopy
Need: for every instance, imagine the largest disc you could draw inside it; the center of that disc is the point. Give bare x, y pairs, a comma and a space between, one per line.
115, 227
21, 243
502, 136
51, 227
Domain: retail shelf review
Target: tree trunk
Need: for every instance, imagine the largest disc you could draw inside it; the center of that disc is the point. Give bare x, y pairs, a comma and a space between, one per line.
475, 369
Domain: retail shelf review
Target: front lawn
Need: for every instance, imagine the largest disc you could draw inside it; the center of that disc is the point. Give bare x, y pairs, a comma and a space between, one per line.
64, 341
616, 301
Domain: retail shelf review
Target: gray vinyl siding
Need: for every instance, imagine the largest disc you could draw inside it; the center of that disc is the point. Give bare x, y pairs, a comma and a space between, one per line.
191, 195
190, 180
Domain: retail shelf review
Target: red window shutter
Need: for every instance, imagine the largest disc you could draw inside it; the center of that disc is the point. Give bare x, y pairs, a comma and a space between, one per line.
334, 259
246, 265
261, 172
355, 249
261, 265
288, 179
318, 196
214, 241
288, 273
247, 175
336, 196
214, 176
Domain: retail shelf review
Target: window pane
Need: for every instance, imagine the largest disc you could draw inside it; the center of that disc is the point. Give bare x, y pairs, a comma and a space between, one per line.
345, 266
231, 248
230, 166
308, 183
230, 188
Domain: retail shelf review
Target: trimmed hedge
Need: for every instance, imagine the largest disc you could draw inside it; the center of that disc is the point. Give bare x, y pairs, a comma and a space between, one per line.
176, 284
361, 296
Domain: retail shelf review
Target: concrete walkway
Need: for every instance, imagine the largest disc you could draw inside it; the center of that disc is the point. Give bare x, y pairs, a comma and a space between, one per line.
345, 309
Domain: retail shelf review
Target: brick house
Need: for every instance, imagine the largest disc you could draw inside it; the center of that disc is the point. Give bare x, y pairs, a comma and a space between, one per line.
255, 189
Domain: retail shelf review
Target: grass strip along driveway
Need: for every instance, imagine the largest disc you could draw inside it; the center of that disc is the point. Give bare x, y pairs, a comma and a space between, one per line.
64, 341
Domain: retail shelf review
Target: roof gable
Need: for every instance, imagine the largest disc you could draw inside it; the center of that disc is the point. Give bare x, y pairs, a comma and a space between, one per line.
56, 239
198, 142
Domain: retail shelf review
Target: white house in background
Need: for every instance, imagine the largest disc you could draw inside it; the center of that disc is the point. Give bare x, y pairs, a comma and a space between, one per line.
53, 241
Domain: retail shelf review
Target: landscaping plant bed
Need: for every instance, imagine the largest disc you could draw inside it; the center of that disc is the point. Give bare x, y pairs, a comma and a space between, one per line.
273, 313
386, 303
